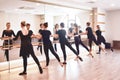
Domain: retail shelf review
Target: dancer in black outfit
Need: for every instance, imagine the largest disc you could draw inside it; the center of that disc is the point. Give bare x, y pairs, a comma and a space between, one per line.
63, 41
77, 39
7, 33
55, 39
91, 37
28, 28
45, 34
100, 38
40, 40
26, 47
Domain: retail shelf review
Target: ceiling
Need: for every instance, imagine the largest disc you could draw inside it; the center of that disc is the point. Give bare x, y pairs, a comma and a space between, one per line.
42, 6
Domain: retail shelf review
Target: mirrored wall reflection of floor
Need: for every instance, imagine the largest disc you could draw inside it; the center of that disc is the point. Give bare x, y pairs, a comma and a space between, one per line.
101, 67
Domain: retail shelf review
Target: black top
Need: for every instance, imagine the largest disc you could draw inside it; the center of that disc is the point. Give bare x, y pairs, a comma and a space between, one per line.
8, 33
31, 32
90, 32
26, 47
98, 33
40, 30
76, 36
62, 34
46, 37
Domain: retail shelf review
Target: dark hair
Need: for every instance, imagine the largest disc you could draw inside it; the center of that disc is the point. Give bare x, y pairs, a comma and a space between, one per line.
46, 24
62, 25
75, 25
56, 25
23, 23
88, 23
27, 24
7, 23
41, 24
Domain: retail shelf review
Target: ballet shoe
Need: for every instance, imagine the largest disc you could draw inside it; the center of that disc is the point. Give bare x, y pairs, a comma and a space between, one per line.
80, 58
98, 53
22, 73
40, 69
64, 62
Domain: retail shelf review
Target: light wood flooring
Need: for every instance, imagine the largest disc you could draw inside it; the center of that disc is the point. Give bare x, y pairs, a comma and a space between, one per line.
101, 67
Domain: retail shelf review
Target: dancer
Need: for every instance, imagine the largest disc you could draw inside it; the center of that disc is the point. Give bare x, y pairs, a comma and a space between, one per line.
91, 38
45, 35
8, 33
26, 47
63, 41
100, 38
55, 39
77, 38
40, 40
28, 28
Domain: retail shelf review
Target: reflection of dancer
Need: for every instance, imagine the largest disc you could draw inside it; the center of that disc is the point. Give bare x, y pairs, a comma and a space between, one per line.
28, 28
77, 38
40, 40
100, 38
91, 37
70, 30
63, 41
45, 34
7, 33
55, 39
26, 47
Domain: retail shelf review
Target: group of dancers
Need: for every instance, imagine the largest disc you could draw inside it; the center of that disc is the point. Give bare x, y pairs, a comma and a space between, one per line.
26, 47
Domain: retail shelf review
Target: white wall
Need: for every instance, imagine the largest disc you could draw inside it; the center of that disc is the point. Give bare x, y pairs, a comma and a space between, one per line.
15, 20
113, 25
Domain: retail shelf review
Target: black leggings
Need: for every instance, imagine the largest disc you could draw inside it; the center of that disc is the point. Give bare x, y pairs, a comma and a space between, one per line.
46, 48
55, 46
25, 61
77, 42
100, 40
7, 54
92, 39
63, 48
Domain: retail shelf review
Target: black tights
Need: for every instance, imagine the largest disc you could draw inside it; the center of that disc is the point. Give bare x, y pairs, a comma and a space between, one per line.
7, 54
93, 39
46, 48
25, 61
77, 42
55, 46
100, 40
68, 45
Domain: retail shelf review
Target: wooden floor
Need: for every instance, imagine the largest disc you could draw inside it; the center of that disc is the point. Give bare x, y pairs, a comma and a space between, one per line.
101, 67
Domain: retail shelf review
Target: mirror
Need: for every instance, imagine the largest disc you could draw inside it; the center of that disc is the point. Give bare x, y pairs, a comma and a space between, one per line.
44, 13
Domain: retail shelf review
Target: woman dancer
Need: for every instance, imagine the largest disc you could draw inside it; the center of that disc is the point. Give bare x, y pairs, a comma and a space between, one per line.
45, 35
26, 47
40, 40
91, 37
77, 39
55, 39
63, 41
100, 38
7, 33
